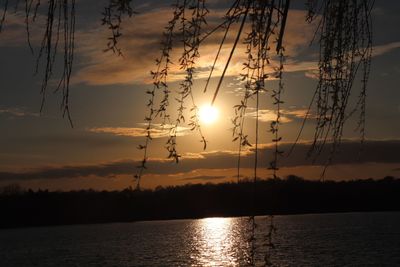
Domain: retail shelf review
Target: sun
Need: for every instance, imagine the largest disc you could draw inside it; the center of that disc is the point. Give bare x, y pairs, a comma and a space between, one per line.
208, 114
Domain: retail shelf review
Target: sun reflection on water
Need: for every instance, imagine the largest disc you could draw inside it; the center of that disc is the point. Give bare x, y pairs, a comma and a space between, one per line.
216, 243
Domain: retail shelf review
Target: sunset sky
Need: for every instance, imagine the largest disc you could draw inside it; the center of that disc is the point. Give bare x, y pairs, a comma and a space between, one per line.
108, 107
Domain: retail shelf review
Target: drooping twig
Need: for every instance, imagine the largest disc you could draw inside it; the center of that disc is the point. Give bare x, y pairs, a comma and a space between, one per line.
112, 18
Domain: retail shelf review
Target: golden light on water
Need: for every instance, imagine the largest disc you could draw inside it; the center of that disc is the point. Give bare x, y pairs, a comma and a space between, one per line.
215, 243
208, 114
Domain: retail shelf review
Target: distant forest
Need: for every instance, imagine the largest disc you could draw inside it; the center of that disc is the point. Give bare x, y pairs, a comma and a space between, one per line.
292, 195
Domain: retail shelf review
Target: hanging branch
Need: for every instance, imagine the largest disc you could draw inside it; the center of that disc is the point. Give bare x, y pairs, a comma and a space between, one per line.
229, 58
256, 18
59, 25
276, 94
281, 18
112, 18
3, 16
159, 83
28, 6
345, 46
160, 80
60, 21
229, 19
201, 13
240, 109
59, 18
191, 31
270, 20
266, 18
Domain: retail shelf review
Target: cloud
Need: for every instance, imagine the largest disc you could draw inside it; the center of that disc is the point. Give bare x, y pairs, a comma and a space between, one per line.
268, 115
373, 151
204, 178
383, 49
297, 113
17, 112
140, 44
157, 131
311, 67
14, 29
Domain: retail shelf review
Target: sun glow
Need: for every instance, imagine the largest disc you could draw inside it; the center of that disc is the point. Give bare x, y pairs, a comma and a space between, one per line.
208, 114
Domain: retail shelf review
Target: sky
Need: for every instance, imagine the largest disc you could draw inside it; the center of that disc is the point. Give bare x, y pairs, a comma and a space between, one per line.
108, 99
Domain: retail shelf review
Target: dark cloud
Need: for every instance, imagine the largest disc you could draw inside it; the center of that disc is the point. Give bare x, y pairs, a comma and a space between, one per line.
66, 141
350, 152
110, 169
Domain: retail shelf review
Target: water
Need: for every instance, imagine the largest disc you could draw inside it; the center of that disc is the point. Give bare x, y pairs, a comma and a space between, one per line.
351, 239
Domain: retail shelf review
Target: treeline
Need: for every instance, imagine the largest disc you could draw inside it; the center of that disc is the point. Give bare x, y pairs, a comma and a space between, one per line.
293, 195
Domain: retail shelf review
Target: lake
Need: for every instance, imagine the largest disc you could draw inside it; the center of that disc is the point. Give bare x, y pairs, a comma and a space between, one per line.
341, 239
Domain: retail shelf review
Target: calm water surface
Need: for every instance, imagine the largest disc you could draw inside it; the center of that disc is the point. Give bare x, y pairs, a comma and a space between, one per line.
351, 239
